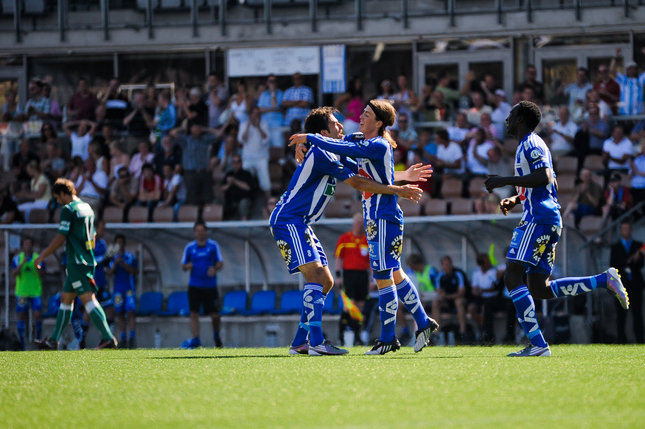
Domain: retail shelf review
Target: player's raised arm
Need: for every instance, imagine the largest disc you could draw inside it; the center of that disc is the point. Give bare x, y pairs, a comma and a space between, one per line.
353, 148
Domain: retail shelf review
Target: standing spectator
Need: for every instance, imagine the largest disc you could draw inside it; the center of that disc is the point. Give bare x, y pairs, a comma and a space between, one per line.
240, 102
577, 91
238, 191
351, 105
138, 121
11, 113
80, 138
297, 100
451, 292
270, 104
407, 135
123, 267
174, 188
475, 112
82, 105
353, 274
38, 107
195, 108
92, 186
55, 112
591, 136
460, 131
479, 150
180, 102
405, 99
254, 138
9, 212
484, 290
617, 150
387, 93
531, 82
627, 256
170, 154
139, 159
433, 108
123, 192
562, 134
216, 98
607, 88
499, 115
96, 149
20, 160
39, 194
229, 149
118, 159
637, 174
195, 160
165, 116
29, 288
112, 105
150, 188
203, 259
586, 198
631, 86
450, 95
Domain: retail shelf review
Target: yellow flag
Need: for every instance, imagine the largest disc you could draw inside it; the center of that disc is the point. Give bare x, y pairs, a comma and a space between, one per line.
351, 307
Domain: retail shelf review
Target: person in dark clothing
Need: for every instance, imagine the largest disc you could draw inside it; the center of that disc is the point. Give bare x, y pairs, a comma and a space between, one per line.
238, 191
627, 257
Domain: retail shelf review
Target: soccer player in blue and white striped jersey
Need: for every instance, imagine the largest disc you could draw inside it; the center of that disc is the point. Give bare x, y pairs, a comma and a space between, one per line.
310, 190
532, 249
373, 150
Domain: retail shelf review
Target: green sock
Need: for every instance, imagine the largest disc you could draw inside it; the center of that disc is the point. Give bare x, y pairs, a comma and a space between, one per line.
100, 321
62, 319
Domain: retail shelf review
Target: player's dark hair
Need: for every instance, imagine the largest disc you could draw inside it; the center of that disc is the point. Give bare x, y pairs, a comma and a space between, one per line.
386, 113
446, 258
442, 133
199, 222
63, 186
318, 119
25, 238
530, 112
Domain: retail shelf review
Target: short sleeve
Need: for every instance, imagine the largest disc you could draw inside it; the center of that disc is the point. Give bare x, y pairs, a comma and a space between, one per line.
15, 261
217, 254
536, 157
65, 221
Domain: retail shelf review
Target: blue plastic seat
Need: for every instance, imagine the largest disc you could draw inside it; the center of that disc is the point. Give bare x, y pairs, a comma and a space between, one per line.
263, 302
177, 305
150, 303
330, 306
234, 302
290, 302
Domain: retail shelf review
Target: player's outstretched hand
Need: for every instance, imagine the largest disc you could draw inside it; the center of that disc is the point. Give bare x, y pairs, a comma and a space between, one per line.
507, 204
418, 172
37, 262
494, 181
410, 192
297, 139
301, 151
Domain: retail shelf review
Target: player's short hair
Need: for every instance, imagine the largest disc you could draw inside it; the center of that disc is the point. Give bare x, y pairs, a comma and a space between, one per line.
63, 186
442, 133
199, 222
530, 112
318, 119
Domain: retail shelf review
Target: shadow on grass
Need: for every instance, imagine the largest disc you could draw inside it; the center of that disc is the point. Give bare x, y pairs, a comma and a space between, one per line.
219, 357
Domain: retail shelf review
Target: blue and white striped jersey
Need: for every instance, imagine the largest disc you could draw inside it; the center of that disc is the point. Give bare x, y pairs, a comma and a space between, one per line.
631, 94
541, 203
311, 188
375, 161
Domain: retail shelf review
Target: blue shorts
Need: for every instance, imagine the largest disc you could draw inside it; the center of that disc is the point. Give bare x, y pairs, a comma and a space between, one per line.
125, 301
24, 302
533, 246
384, 242
298, 245
104, 297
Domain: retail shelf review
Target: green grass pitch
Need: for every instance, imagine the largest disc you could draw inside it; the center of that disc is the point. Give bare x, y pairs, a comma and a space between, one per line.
467, 387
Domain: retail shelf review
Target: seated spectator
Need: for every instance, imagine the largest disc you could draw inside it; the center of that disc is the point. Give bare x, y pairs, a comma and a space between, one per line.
80, 138
113, 105
405, 99
9, 212
195, 109
459, 132
436, 109
223, 160
576, 92
150, 188
484, 293
139, 159
96, 149
138, 121
407, 135
618, 200
486, 203
82, 105
486, 123
586, 198
123, 193
593, 99
39, 193
174, 188
254, 138
449, 160
165, 116
500, 113
48, 134
479, 150
590, 137
216, 99
55, 112
637, 174
617, 150
118, 159
170, 154
425, 276
474, 113
92, 186
399, 160
53, 163
297, 100
19, 162
238, 191
451, 292
561, 134
607, 88
270, 104
76, 169
240, 103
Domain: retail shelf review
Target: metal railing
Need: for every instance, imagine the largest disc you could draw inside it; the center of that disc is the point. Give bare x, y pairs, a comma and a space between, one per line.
200, 13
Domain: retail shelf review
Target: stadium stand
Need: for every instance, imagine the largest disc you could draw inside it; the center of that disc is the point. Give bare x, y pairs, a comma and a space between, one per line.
461, 206
150, 303
177, 304
234, 302
290, 302
262, 302
436, 207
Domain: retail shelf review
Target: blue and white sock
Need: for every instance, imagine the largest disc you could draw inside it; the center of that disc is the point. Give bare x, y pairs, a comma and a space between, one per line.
21, 332
409, 295
388, 303
526, 315
303, 327
572, 286
313, 302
